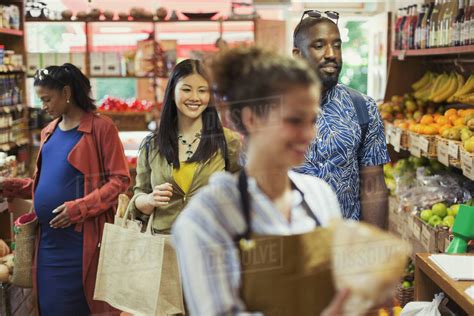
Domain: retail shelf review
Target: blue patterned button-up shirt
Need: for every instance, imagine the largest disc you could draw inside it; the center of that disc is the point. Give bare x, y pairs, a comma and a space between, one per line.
338, 151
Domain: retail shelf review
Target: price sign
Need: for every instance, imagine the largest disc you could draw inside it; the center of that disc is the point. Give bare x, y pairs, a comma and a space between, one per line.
396, 139
414, 148
401, 55
467, 165
423, 144
388, 133
443, 156
453, 150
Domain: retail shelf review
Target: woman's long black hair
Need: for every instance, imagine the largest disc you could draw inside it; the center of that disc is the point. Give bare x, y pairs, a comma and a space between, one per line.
57, 77
212, 135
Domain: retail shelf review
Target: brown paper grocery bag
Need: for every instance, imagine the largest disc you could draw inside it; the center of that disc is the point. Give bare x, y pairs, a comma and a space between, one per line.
138, 272
288, 275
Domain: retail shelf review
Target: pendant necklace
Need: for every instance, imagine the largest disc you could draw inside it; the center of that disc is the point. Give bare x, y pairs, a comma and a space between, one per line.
189, 145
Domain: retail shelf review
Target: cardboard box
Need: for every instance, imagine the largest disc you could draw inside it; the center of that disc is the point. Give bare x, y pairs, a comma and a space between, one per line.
79, 60
112, 64
97, 67
49, 59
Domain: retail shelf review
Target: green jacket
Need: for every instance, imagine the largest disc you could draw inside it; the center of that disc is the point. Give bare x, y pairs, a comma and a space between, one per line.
157, 171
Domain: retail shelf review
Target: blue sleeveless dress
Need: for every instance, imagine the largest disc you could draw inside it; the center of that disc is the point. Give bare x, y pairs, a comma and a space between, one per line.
59, 264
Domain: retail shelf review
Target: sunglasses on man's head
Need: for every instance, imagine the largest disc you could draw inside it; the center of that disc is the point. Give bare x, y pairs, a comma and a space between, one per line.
316, 14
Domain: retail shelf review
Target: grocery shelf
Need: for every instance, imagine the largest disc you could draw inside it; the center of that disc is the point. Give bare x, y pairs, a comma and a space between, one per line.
12, 72
466, 167
137, 21
119, 76
11, 32
9, 146
400, 54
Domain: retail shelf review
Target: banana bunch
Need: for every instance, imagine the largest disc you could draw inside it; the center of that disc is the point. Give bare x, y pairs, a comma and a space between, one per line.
448, 89
422, 88
443, 87
465, 94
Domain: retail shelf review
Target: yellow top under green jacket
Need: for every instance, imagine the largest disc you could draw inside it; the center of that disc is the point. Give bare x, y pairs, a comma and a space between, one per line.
157, 171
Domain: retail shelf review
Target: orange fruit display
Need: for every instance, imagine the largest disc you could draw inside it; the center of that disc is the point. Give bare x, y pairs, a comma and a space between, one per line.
450, 112
427, 119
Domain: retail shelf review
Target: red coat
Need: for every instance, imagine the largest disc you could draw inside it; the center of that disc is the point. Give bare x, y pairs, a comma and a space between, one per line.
97, 207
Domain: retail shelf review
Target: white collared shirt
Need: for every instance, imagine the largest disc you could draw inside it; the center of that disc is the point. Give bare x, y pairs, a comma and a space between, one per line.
204, 235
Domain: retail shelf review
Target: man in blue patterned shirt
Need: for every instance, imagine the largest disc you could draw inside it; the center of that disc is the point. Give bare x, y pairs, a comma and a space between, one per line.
341, 154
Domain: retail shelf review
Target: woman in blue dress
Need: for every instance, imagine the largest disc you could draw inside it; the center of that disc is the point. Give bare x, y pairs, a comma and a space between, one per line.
81, 170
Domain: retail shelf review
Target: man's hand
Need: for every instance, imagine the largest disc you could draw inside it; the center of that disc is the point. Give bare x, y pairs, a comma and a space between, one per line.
61, 220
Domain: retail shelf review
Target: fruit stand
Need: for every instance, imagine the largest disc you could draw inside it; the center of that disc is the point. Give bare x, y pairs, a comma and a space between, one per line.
429, 124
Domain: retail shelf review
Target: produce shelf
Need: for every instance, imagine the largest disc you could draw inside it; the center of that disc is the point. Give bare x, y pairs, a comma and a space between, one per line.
466, 165
11, 32
400, 54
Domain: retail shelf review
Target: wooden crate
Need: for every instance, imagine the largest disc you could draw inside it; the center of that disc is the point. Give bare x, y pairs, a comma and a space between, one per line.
428, 236
448, 152
428, 144
129, 121
422, 145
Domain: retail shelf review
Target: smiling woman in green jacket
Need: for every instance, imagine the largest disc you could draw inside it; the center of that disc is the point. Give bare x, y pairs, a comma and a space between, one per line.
189, 146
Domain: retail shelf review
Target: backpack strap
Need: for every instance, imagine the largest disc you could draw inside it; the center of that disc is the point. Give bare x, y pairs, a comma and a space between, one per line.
226, 155
362, 112
245, 205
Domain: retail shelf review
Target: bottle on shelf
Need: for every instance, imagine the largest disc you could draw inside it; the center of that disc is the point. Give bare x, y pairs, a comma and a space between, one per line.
398, 23
457, 26
434, 24
405, 22
406, 29
412, 26
421, 18
441, 24
469, 25
449, 19
425, 27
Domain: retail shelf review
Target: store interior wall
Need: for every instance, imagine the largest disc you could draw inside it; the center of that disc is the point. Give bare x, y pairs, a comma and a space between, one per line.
362, 11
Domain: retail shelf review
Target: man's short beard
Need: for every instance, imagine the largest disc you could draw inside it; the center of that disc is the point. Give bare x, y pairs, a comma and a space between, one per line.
329, 82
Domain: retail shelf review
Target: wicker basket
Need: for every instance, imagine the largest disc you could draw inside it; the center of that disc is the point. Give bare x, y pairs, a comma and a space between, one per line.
432, 149
405, 296
455, 162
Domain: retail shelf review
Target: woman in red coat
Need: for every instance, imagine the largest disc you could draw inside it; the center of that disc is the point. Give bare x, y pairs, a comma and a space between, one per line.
81, 170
